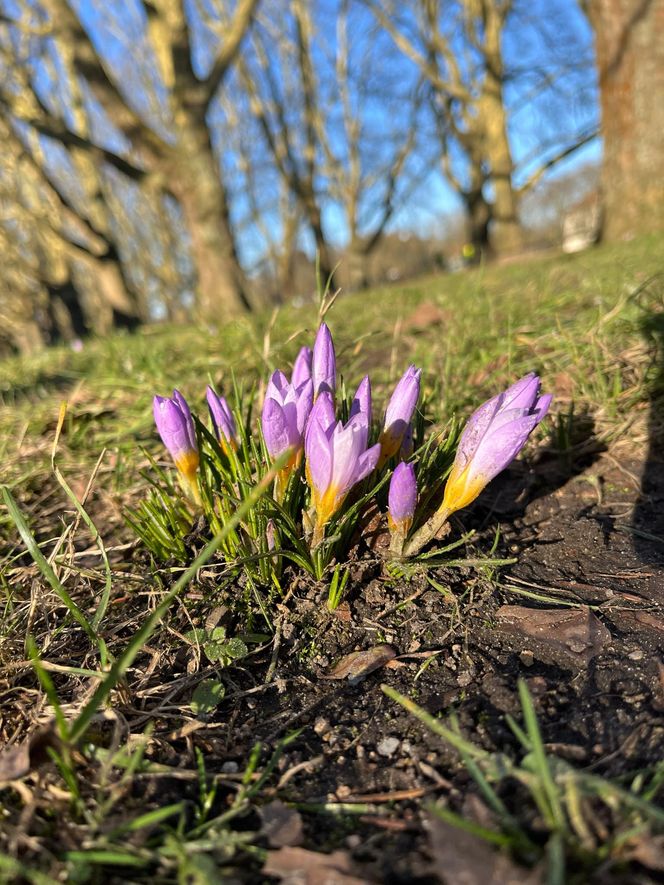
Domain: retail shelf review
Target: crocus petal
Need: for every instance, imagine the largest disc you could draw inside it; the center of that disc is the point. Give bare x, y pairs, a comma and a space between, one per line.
402, 496
322, 412
477, 426
493, 437
542, 405
176, 429
186, 412
523, 393
399, 412
366, 463
302, 367
324, 363
500, 447
277, 386
404, 399
361, 404
304, 403
319, 458
222, 417
173, 426
275, 428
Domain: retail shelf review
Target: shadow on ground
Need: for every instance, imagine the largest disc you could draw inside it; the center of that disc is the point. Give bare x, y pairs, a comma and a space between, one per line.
648, 521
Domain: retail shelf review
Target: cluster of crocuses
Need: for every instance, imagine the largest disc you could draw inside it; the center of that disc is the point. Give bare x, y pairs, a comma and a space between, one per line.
299, 420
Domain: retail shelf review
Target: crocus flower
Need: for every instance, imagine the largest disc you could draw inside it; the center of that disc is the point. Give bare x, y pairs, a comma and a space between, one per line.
492, 438
284, 419
222, 420
337, 459
324, 362
399, 413
402, 498
176, 429
361, 404
302, 367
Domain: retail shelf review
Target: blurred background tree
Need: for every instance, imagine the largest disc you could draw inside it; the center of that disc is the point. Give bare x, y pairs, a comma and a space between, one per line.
172, 160
630, 61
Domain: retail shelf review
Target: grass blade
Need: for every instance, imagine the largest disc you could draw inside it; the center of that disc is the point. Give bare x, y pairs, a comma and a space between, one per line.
44, 566
120, 666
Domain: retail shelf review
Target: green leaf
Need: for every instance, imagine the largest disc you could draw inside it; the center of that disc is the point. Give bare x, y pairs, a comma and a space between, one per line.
236, 648
208, 694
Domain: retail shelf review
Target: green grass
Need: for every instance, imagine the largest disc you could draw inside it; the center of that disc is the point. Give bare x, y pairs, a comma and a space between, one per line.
83, 608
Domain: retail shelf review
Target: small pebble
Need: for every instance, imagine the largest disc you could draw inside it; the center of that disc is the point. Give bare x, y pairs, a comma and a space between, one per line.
230, 768
388, 746
527, 658
321, 725
636, 655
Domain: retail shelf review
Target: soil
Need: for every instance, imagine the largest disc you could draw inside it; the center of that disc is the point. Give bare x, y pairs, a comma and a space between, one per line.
590, 649
579, 615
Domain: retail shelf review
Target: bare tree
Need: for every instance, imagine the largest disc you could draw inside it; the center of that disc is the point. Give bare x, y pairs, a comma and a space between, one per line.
161, 120
630, 60
51, 242
311, 76
458, 48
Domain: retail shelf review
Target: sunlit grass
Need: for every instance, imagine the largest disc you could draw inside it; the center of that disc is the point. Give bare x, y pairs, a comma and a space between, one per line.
578, 321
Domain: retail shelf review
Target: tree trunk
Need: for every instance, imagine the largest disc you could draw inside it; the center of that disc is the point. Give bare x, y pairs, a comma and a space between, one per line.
325, 266
196, 184
478, 211
66, 312
504, 231
356, 265
629, 39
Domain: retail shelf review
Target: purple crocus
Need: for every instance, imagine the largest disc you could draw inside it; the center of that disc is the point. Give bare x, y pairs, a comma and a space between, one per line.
324, 362
402, 498
337, 459
492, 438
222, 420
399, 413
176, 429
285, 412
302, 367
361, 404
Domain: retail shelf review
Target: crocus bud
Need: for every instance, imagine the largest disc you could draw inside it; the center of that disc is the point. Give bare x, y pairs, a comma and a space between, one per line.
402, 498
399, 413
361, 404
285, 413
492, 438
337, 459
222, 419
176, 429
302, 367
324, 363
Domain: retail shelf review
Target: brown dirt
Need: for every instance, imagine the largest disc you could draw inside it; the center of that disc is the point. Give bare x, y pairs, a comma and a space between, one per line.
594, 667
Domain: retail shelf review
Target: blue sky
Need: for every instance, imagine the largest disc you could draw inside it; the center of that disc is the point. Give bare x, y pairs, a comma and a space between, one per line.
542, 40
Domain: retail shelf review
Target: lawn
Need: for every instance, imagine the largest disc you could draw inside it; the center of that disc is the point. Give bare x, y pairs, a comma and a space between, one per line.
181, 719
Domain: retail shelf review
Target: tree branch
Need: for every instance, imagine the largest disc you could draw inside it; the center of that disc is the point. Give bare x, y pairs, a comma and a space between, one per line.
237, 28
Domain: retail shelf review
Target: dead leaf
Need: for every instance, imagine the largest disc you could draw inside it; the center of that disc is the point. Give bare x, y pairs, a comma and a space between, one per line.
426, 315
460, 858
562, 636
358, 664
17, 761
648, 850
282, 825
343, 612
297, 866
